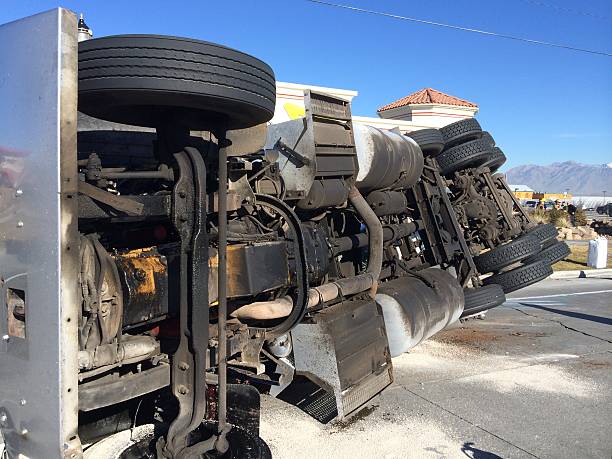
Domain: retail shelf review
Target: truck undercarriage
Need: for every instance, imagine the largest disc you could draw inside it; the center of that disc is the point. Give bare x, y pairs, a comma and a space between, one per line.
214, 257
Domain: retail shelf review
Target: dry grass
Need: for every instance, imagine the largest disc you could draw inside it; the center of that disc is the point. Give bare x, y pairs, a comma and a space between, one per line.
539, 216
577, 260
557, 217
562, 222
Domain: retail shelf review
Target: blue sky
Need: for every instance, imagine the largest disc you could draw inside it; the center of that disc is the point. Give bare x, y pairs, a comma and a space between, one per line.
541, 104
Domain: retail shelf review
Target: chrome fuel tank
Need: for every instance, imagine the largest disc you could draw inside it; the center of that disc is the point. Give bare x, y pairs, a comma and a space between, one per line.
386, 159
416, 308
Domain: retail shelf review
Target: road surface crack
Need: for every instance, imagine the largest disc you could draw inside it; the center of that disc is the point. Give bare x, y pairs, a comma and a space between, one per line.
561, 323
470, 422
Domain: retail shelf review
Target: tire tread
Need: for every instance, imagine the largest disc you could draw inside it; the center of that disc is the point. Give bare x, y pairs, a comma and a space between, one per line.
522, 276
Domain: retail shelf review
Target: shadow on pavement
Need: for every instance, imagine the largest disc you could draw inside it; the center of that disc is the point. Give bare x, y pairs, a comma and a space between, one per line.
475, 453
576, 315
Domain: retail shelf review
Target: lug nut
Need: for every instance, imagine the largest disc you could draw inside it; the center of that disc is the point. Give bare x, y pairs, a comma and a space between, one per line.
183, 390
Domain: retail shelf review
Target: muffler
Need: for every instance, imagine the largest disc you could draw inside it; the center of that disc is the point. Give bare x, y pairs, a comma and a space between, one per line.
418, 306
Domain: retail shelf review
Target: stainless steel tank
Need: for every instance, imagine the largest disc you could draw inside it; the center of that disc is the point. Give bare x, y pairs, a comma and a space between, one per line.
415, 308
386, 159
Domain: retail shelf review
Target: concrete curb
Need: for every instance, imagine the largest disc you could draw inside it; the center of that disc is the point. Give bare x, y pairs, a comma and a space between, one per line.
581, 274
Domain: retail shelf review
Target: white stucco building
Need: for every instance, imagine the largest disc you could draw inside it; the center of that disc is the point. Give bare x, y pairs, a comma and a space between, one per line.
427, 108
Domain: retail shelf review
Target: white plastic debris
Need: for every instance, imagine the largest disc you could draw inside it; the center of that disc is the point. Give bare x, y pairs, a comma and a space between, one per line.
598, 253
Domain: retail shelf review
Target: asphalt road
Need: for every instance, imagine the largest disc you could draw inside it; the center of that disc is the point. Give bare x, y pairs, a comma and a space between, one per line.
534, 379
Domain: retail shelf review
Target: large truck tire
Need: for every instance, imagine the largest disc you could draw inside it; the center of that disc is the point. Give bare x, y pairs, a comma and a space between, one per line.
544, 232
488, 138
430, 141
495, 160
461, 132
552, 254
506, 254
469, 154
117, 445
482, 299
146, 80
522, 276
140, 442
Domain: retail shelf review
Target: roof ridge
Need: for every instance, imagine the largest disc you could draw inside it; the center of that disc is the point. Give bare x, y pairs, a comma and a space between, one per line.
428, 96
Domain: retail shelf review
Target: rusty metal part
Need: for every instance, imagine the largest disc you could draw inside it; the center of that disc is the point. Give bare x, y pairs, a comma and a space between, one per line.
16, 312
500, 181
222, 289
466, 270
131, 349
121, 203
234, 201
117, 388
144, 277
101, 295
245, 274
189, 360
162, 173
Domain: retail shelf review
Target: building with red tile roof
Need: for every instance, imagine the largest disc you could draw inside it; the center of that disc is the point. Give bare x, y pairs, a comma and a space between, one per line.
427, 108
427, 96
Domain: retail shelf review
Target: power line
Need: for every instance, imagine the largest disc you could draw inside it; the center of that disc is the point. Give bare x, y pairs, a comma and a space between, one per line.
455, 27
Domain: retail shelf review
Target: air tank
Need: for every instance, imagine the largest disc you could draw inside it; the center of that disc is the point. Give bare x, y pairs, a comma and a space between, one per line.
417, 307
386, 159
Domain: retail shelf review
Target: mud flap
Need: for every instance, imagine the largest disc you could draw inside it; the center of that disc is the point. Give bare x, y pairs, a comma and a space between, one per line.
243, 406
342, 360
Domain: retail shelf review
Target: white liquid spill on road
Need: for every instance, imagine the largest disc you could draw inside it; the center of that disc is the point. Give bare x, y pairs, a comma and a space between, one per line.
539, 373
404, 425
386, 433
544, 379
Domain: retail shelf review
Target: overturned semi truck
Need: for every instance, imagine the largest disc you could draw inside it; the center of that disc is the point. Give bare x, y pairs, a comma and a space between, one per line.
166, 256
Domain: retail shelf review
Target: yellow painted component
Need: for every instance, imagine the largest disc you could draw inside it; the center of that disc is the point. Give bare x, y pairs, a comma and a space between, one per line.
213, 262
294, 111
148, 263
